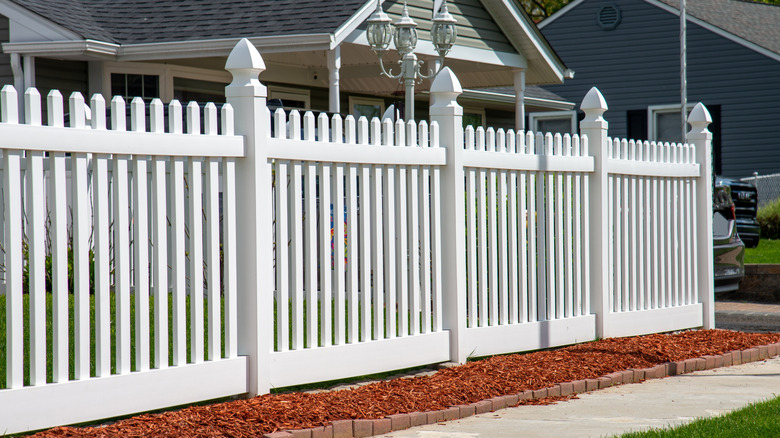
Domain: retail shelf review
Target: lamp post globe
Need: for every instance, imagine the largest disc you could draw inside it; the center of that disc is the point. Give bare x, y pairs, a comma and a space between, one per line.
443, 31
379, 31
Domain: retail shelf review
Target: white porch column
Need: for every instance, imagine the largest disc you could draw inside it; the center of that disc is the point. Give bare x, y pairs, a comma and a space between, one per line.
334, 64
29, 72
520, 100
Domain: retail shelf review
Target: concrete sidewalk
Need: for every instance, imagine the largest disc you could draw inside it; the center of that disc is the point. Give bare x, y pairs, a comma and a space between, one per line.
624, 408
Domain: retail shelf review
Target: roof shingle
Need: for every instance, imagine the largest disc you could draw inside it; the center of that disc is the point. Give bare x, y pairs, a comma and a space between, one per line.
130, 21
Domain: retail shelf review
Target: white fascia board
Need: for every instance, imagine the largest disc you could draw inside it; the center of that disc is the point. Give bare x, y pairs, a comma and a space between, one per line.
98, 49
489, 96
26, 18
169, 50
463, 53
559, 13
348, 27
504, 9
716, 30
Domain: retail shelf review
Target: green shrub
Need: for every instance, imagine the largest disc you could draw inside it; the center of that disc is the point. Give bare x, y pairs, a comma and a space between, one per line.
769, 220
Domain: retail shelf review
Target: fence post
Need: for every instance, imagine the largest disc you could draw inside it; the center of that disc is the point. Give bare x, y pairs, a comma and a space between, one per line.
446, 112
701, 138
595, 128
247, 96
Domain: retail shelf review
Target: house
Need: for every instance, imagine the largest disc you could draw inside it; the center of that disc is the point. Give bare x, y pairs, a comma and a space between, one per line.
316, 52
630, 50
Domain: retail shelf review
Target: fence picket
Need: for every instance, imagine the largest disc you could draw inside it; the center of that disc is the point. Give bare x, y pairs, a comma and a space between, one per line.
59, 249
102, 267
160, 261
213, 278
36, 266
178, 260
310, 244
14, 261
282, 257
295, 205
326, 254
353, 257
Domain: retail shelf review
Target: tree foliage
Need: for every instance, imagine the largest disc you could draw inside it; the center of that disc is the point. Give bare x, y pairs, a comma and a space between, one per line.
538, 10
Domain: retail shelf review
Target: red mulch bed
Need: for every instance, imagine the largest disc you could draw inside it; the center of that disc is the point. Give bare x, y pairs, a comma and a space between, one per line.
472, 382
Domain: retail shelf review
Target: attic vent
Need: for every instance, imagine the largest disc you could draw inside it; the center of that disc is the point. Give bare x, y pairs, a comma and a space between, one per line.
609, 17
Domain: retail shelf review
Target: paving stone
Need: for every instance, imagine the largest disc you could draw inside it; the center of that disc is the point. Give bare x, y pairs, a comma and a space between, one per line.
628, 376
483, 406
709, 362
327, 432
726, 359
591, 384
399, 421
604, 382
567, 387
382, 426
450, 414
526, 395
690, 365
754, 354
678, 368
639, 375
701, 364
772, 350
362, 428
343, 428
281, 434
763, 352
498, 403
617, 377
540, 393
736, 357
435, 416
418, 419
554, 391
512, 399
578, 386
301, 433
467, 410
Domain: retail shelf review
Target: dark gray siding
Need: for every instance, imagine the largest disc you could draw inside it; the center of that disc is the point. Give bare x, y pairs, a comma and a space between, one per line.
6, 75
65, 76
637, 65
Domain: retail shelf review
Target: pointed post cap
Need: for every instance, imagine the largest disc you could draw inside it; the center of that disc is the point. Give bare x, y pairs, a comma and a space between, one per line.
699, 116
593, 105
245, 64
445, 88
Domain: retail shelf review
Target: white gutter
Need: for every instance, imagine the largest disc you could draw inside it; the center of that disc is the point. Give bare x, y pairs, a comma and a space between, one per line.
509, 99
169, 50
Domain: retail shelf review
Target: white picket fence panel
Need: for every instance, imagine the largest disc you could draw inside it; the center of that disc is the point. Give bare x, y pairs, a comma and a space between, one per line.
349, 247
56, 185
356, 217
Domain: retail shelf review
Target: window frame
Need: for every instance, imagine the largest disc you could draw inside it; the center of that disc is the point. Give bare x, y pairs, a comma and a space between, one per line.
653, 110
370, 101
166, 73
478, 111
535, 117
292, 93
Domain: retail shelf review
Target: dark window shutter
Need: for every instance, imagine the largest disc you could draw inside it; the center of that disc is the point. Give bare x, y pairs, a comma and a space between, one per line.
636, 122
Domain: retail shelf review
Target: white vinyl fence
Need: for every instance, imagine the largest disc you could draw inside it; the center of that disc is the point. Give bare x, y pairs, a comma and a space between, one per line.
287, 248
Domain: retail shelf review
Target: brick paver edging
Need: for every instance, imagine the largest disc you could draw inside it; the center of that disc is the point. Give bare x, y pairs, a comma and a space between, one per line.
360, 428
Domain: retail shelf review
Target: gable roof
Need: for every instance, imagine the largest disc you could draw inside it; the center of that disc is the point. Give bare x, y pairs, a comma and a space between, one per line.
130, 21
752, 24
758, 23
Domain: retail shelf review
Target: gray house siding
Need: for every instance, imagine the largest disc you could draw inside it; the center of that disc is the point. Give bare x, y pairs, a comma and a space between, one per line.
637, 65
6, 74
66, 76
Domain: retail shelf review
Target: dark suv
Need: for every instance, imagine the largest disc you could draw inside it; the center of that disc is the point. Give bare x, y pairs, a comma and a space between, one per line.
728, 249
745, 198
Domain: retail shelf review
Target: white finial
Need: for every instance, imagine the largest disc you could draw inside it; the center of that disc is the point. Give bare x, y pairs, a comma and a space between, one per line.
245, 64
594, 105
445, 88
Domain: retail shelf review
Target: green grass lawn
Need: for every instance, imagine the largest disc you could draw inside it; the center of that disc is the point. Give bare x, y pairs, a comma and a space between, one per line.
756, 420
767, 251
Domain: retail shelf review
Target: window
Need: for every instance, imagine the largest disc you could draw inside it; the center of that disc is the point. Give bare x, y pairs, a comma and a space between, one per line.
370, 108
664, 123
290, 98
187, 90
556, 122
473, 117
130, 85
